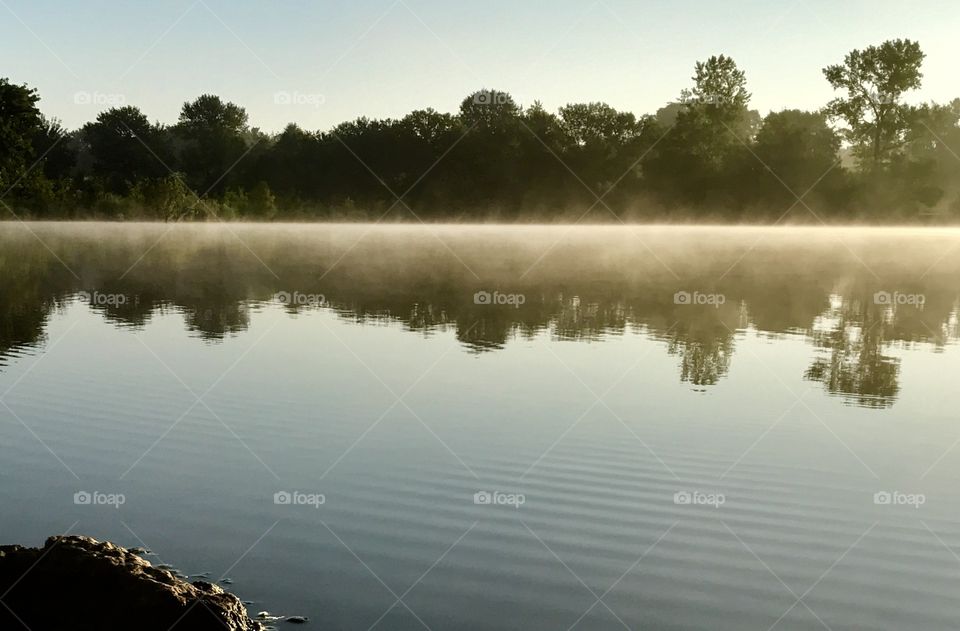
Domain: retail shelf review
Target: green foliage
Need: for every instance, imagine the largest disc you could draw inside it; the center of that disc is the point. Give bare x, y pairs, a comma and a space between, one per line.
875, 80
706, 155
58, 148
720, 88
258, 203
124, 147
166, 198
212, 139
598, 124
708, 143
208, 112
20, 122
798, 146
489, 110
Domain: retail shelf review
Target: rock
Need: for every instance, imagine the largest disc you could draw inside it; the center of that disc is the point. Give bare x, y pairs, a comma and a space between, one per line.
297, 619
266, 615
82, 584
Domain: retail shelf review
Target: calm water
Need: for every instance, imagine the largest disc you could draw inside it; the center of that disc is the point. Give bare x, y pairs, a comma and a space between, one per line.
687, 428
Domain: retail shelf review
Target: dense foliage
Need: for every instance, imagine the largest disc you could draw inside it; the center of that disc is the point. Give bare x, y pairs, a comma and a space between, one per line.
866, 155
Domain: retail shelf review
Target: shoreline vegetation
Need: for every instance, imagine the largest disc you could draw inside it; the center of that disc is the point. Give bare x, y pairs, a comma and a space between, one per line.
867, 156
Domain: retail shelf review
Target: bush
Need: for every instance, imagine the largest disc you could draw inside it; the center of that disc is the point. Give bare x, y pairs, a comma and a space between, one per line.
167, 198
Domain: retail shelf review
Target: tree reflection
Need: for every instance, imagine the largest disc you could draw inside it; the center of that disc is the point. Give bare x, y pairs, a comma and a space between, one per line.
854, 364
705, 354
856, 336
214, 284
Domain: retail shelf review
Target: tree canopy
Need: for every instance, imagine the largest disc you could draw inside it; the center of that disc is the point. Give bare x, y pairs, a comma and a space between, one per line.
867, 153
875, 80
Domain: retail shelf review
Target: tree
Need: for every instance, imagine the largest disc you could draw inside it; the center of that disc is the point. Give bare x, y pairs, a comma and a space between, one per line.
875, 80
926, 170
20, 121
291, 163
57, 146
598, 124
709, 139
799, 148
209, 112
604, 143
546, 184
487, 156
426, 136
489, 110
934, 131
719, 86
667, 115
433, 127
212, 132
125, 148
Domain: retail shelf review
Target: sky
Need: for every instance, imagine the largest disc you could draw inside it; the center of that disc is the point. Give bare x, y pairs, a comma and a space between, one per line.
321, 62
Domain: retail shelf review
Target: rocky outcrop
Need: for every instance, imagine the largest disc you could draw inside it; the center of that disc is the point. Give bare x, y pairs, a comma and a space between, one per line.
82, 584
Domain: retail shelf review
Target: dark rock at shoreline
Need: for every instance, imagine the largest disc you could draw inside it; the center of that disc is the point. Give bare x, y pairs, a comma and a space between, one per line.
82, 584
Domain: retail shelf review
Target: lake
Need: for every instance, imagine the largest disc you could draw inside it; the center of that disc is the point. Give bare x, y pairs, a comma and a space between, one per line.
497, 428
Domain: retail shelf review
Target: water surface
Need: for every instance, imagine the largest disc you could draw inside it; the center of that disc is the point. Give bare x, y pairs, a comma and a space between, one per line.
779, 379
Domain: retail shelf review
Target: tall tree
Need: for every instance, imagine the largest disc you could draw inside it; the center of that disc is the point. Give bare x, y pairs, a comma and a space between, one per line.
125, 148
20, 121
58, 148
719, 86
487, 156
875, 80
208, 112
797, 149
213, 135
709, 138
603, 143
798, 146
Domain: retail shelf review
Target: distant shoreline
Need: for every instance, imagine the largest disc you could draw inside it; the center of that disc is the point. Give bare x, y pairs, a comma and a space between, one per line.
869, 155
954, 225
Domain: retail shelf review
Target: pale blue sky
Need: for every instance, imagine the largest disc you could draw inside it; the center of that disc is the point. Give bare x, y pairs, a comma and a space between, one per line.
339, 59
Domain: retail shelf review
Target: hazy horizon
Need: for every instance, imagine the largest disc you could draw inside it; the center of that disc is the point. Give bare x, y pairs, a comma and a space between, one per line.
385, 59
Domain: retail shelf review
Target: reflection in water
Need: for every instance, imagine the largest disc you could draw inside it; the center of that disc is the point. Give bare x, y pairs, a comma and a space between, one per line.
588, 284
704, 355
854, 362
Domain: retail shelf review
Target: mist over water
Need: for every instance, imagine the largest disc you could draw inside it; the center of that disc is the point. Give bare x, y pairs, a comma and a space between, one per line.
700, 419
854, 294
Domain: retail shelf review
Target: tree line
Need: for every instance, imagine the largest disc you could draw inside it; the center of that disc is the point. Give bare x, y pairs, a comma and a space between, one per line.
866, 155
